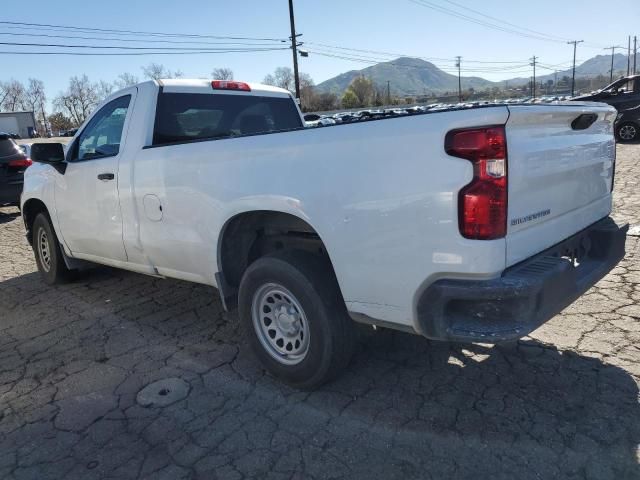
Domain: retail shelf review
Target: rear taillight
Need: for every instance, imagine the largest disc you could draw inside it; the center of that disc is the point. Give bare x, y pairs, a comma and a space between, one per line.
22, 163
482, 204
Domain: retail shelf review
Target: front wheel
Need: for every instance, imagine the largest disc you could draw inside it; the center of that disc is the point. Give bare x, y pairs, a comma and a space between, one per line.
48, 252
295, 319
627, 132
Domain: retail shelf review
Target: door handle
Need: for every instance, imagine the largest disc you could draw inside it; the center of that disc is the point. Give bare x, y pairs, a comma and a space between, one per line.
106, 176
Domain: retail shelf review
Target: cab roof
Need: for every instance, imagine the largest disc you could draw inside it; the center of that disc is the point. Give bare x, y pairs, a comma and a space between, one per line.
198, 85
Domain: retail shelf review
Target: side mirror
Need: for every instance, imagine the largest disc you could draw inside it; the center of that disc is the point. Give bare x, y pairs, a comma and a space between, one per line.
47, 152
51, 153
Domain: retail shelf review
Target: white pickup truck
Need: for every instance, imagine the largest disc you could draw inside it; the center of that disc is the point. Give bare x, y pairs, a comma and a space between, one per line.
470, 225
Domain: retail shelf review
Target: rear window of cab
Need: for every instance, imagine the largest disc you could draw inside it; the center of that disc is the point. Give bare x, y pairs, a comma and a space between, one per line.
184, 117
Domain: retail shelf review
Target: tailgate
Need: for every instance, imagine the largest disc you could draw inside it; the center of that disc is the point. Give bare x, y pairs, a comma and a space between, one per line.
559, 174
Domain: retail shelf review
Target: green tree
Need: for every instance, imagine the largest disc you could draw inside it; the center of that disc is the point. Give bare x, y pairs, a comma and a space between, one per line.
59, 122
350, 99
364, 90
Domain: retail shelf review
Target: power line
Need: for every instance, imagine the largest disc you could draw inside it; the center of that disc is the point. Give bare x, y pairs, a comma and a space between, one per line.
391, 54
374, 59
175, 42
99, 54
505, 22
445, 69
136, 32
117, 47
477, 21
498, 24
515, 64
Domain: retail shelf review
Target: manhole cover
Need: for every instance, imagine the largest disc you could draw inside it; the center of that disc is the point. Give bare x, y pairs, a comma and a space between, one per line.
634, 231
163, 392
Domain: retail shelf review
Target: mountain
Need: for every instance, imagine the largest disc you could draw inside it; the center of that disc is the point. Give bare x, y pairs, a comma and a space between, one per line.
598, 65
407, 76
413, 76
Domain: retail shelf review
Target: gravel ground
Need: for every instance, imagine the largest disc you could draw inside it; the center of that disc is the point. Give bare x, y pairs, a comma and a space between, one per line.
123, 376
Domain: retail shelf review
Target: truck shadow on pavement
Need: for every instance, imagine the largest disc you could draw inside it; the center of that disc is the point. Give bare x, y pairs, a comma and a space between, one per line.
73, 359
8, 217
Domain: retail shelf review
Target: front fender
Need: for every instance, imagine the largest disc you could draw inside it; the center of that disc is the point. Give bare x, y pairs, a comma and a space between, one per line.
39, 184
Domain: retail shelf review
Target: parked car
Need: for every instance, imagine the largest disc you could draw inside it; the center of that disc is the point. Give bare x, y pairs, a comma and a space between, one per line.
627, 126
430, 224
396, 112
346, 117
26, 149
622, 94
315, 120
13, 163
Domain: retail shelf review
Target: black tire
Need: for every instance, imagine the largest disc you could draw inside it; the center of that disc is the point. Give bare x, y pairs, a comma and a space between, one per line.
55, 270
331, 334
623, 132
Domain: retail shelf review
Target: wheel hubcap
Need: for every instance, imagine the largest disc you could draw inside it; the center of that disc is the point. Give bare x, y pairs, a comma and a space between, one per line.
628, 132
43, 250
280, 323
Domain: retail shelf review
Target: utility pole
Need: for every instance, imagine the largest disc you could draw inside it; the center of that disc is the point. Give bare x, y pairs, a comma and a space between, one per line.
294, 47
635, 53
44, 119
388, 92
628, 55
573, 76
533, 64
613, 51
458, 64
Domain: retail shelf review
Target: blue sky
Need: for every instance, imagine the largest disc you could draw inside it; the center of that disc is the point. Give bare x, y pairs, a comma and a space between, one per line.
400, 26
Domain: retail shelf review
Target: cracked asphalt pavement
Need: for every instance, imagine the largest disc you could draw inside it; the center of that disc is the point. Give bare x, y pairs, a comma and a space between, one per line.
119, 375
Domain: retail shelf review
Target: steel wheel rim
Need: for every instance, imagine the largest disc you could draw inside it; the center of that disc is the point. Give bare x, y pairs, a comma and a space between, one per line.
44, 251
628, 132
280, 323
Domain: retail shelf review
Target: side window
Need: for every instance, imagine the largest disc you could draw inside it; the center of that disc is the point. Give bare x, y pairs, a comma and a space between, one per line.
625, 87
101, 137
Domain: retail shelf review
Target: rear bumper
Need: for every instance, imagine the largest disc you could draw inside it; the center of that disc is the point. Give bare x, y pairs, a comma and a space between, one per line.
526, 295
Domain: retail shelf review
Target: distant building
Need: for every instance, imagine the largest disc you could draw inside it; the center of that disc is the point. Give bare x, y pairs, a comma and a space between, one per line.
22, 123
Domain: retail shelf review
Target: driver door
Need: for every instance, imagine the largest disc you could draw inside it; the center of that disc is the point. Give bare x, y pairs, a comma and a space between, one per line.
86, 195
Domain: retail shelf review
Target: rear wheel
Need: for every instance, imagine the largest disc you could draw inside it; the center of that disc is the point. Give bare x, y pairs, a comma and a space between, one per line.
628, 132
48, 252
295, 319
